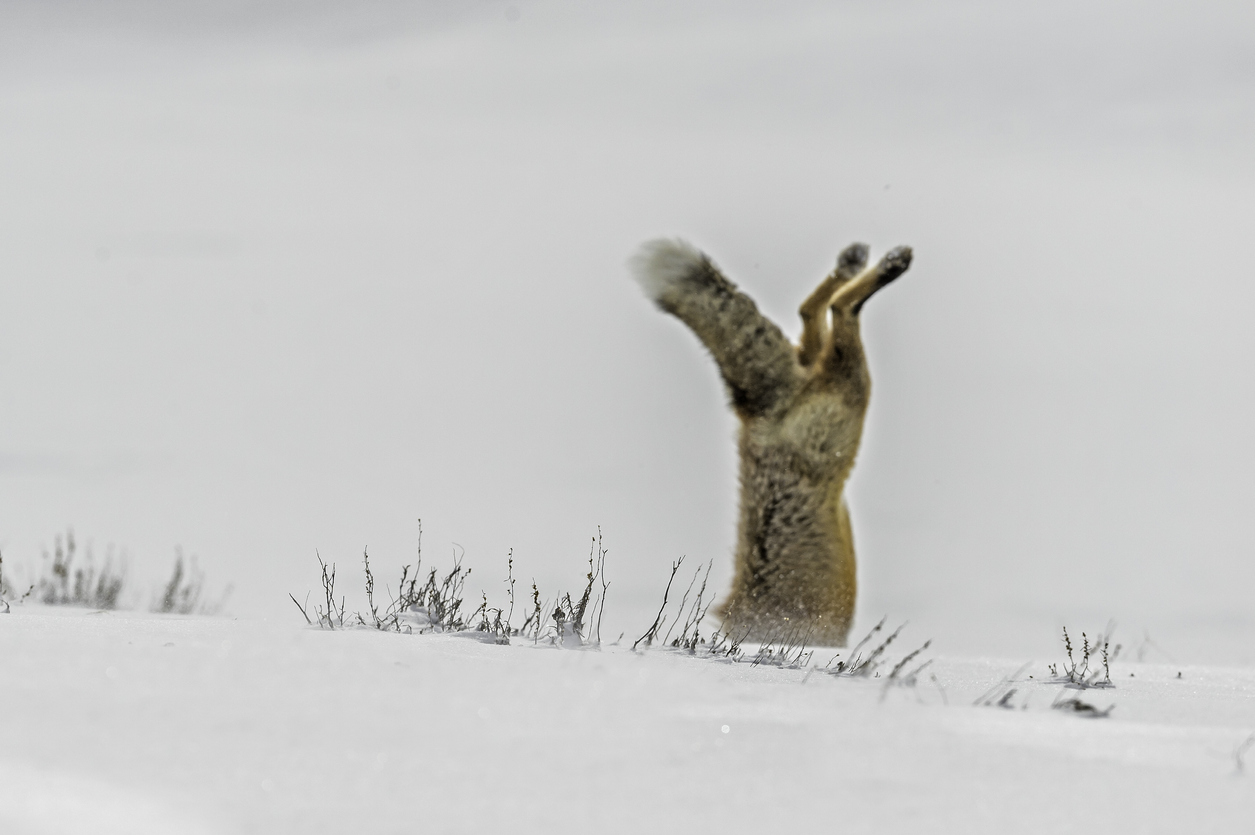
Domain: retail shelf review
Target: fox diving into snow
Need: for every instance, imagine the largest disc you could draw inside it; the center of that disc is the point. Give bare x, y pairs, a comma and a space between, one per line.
801, 411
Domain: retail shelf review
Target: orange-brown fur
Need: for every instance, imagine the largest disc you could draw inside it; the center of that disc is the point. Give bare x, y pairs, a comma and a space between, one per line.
801, 412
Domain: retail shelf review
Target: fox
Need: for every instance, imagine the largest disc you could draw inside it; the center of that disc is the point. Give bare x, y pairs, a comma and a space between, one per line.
801, 410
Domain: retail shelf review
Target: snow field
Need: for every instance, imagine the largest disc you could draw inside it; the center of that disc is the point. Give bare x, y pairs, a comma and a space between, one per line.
139, 723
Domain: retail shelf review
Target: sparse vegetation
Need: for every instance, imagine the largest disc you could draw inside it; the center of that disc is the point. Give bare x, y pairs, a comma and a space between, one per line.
857, 665
68, 576
1085, 672
437, 604
1088, 667
661, 617
184, 591
70, 581
788, 650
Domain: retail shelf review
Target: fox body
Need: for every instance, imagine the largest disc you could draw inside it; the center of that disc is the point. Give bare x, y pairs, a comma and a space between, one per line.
801, 411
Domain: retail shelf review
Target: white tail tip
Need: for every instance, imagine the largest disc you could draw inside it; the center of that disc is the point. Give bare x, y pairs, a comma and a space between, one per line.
661, 263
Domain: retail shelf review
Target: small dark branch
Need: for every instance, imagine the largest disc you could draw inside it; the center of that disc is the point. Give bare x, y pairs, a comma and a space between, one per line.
577, 611
1077, 673
666, 641
510, 584
725, 645
652, 633
912, 677
605, 586
897, 668
370, 591
853, 654
302, 608
869, 666
330, 615
533, 619
697, 614
481, 613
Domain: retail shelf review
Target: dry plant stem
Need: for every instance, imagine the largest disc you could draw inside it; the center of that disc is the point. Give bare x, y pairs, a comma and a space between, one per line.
788, 652
652, 633
184, 591
666, 641
722, 644
866, 667
436, 603
853, 653
510, 583
601, 573
370, 591
697, 614
897, 668
533, 618
302, 608
331, 615
1076, 673
65, 584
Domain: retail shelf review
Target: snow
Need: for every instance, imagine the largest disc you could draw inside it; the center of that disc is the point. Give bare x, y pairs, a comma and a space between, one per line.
141, 723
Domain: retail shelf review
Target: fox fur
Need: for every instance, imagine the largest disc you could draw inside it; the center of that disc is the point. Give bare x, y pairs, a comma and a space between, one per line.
801, 411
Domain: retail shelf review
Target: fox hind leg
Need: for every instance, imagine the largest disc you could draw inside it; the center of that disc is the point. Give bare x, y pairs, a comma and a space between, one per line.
814, 311
854, 294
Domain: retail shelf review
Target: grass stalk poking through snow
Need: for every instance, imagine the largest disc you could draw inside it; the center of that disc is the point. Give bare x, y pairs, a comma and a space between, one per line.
184, 591
660, 618
437, 604
1076, 671
69, 581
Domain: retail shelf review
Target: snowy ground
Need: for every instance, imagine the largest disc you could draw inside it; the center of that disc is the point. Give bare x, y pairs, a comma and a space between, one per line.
126, 722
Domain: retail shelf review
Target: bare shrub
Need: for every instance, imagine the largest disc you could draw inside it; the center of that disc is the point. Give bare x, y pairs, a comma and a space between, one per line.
184, 592
787, 652
1077, 672
69, 581
857, 665
692, 615
435, 602
660, 618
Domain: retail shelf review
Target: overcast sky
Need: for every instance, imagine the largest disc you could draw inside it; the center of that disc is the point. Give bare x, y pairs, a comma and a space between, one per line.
280, 277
